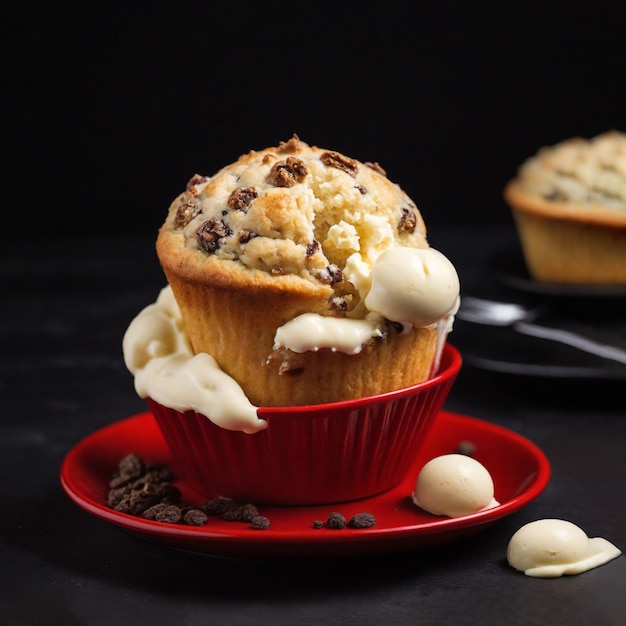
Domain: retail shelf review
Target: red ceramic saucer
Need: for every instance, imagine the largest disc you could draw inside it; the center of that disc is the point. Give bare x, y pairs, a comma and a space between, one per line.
520, 471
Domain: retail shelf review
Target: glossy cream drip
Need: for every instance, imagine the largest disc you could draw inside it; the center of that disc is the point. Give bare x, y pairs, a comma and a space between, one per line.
312, 332
411, 286
549, 548
157, 352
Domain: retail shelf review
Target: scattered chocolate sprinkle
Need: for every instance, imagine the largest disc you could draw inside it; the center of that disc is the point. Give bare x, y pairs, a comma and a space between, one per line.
241, 198
144, 490
340, 162
361, 189
288, 173
318, 523
362, 520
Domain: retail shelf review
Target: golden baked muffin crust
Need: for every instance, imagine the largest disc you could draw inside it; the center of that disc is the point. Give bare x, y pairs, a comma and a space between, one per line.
281, 232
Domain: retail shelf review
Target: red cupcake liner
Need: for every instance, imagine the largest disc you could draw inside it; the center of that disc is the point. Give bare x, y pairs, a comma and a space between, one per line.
314, 454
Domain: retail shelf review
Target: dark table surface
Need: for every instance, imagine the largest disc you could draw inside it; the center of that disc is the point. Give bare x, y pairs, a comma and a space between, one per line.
65, 307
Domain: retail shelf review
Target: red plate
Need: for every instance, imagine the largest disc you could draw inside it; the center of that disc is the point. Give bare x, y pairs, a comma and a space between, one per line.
520, 472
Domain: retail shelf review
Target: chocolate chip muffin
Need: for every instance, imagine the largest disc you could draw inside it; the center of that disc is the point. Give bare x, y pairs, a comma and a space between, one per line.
569, 206
292, 233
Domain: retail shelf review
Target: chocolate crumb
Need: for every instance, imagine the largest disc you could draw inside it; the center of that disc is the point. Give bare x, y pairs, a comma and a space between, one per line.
260, 522
288, 173
331, 275
336, 521
195, 180
188, 208
210, 233
246, 235
340, 162
195, 517
408, 220
241, 198
318, 523
312, 248
362, 520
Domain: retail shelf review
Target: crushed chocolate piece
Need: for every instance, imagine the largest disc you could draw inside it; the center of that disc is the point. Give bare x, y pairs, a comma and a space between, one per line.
143, 490
340, 162
376, 167
210, 232
170, 514
248, 512
331, 275
362, 190
336, 521
217, 505
260, 522
290, 362
317, 523
312, 248
362, 520
241, 198
288, 173
408, 220
186, 211
194, 181
195, 517
339, 304
246, 235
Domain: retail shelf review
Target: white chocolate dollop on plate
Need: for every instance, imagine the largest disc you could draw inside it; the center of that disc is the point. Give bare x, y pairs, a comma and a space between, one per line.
549, 548
454, 485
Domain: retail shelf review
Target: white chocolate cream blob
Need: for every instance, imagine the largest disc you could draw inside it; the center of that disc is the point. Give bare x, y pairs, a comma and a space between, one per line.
549, 548
158, 354
454, 485
414, 287
311, 331
418, 286
411, 286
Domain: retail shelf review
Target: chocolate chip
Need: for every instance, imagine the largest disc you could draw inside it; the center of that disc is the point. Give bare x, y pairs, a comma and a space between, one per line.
336, 521
362, 520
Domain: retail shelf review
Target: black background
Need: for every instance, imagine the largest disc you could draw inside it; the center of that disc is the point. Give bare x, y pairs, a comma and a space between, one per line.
108, 111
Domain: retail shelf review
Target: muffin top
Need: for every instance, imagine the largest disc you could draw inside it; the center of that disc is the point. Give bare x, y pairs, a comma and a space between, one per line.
578, 177
296, 210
